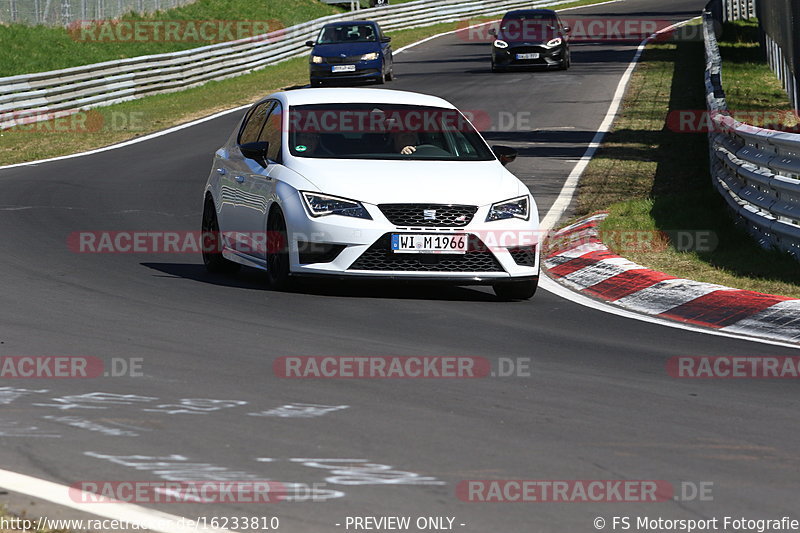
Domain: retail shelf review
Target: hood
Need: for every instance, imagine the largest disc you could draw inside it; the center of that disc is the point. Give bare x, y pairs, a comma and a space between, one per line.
530, 32
348, 49
443, 182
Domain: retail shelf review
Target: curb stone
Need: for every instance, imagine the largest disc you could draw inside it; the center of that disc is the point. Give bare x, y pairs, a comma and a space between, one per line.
578, 259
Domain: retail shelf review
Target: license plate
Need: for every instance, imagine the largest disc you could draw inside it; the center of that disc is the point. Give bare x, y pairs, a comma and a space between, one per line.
343, 68
527, 56
421, 243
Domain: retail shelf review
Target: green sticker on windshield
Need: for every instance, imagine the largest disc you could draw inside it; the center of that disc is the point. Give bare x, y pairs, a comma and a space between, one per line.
301, 148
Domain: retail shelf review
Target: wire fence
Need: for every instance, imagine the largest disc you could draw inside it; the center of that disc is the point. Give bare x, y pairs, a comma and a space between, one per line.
780, 26
63, 12
780, 35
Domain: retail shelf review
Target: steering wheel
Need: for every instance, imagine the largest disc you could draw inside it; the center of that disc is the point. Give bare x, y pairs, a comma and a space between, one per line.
430, 149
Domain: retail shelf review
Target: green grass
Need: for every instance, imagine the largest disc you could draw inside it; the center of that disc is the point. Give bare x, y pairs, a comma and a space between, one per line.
652, 178
750, 85
26, 49
120, 122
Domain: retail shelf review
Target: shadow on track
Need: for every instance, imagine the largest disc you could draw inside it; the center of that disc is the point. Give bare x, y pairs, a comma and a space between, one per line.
250, 278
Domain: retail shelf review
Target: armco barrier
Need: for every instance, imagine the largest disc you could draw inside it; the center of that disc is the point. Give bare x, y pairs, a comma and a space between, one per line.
756, 170
32, 97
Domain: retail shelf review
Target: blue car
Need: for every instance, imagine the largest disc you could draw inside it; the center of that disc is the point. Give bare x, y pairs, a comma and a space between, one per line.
355, 50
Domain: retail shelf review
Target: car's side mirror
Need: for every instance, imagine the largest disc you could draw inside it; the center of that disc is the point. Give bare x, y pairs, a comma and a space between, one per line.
386, 39
310, 44
505, 154
257, 151
493, 31
567, 29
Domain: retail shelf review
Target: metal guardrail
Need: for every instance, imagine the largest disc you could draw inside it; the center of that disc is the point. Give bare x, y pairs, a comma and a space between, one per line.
756, 170
33, 97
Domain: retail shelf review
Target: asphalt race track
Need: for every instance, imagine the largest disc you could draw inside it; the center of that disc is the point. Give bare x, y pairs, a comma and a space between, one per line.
598, 403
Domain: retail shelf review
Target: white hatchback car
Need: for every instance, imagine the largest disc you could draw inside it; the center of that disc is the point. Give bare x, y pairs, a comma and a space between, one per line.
369, 183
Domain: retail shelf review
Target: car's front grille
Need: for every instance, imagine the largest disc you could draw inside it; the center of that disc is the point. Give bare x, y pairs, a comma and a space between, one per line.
338, 59
524, 256
429, 215
379, 256
528, 49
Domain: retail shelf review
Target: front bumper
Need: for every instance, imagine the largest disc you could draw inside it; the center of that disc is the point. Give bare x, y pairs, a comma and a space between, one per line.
548, 57
499, 251
364, 70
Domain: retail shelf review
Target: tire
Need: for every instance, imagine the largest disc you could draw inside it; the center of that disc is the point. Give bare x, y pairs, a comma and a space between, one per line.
213, 260
390, 74
516, 290
381, 79
566, 62
277, 251
494, 67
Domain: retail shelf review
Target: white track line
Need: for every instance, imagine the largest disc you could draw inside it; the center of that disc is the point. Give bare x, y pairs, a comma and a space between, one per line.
565, 198
561, 204
59, 494
131, 141
425, 40
63, 495
235, 109
559, 290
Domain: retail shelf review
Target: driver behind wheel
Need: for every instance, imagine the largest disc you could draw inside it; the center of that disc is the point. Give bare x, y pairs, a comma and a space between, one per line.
405, 142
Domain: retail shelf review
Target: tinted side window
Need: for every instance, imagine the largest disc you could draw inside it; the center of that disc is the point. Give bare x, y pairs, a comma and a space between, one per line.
272, 132
254, 123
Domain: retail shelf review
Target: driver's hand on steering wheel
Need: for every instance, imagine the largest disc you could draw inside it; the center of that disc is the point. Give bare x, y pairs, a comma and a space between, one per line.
408, 150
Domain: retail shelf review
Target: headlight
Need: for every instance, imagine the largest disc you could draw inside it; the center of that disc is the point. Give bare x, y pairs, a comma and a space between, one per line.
320, 205
370, 56
316, 59
513, 208
500, 44
552, 43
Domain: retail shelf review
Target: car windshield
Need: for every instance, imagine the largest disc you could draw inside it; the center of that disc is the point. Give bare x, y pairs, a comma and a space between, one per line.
347, 33
528, 26
384, 131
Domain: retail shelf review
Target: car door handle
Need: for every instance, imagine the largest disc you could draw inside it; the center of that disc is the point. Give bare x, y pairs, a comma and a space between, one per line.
221, 171
239, 179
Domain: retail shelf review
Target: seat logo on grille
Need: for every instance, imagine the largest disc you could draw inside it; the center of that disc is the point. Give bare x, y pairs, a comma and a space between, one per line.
429, 214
